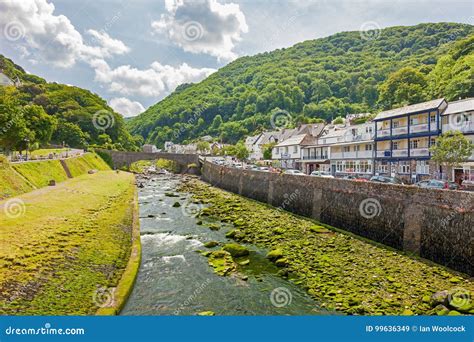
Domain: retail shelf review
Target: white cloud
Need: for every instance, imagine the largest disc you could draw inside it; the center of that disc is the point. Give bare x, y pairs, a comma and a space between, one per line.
151, 82
203, 26
126, 107
41, 35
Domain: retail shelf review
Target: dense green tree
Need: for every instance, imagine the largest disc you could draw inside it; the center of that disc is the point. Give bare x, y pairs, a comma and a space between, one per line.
403, 87
451, 149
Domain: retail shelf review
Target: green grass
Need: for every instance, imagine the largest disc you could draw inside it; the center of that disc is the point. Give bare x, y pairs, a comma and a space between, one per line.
11, 183
81, 165
72, 240
40, 173
19, 178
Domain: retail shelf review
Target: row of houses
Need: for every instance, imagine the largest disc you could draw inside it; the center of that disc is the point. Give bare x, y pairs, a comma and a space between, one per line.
395, 143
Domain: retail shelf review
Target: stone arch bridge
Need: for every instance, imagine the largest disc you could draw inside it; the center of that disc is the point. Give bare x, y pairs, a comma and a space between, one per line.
123, 158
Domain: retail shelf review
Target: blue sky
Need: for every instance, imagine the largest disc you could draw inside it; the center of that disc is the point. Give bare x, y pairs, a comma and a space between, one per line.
134, 53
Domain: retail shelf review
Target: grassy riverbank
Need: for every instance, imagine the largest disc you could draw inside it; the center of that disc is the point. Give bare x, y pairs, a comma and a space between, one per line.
19, 178
339, 270
65, 248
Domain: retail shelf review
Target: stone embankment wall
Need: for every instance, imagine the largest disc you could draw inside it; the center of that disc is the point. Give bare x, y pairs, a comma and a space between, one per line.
435, 224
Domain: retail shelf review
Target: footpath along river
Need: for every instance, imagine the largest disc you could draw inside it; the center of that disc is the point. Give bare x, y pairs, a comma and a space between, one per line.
174, 279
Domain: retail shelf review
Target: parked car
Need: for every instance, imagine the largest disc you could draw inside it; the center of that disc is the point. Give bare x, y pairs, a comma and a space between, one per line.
355, 178
294, 172
263, 169
385, 179
323, 174
438, 184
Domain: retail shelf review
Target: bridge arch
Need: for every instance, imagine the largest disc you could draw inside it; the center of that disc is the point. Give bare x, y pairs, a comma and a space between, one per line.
124, 158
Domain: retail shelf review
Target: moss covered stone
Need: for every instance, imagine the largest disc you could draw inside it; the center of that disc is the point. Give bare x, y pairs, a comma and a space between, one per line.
236, 250
222, 262
211, 244
275, 254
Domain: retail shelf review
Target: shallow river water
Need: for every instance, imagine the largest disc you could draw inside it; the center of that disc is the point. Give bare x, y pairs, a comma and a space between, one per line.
174, 279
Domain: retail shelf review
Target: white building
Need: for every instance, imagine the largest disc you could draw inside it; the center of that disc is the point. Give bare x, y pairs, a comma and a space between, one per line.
353, 152
288, 152
459, 116
149, 148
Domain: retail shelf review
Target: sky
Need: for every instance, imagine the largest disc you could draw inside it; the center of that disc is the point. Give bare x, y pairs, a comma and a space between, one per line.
134, 53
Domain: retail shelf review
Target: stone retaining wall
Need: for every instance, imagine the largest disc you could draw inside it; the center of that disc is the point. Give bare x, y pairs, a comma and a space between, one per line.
434, 224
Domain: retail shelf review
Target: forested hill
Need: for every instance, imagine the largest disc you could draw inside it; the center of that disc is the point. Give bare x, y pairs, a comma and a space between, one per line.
45, 113
322, 78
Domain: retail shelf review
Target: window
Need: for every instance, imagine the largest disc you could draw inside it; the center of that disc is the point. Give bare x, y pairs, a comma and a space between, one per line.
346, 148
404, 167
277, 150
368, 147
357, 148
414, 143
422, 167
433, 118
383, 167
395, 124
286, 149
395, 145
432, 141
295, 149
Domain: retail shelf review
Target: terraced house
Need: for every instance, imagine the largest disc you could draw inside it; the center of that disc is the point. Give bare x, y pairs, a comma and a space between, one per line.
402, 139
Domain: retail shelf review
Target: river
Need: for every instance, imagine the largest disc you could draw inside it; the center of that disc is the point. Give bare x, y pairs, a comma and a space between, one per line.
174, 279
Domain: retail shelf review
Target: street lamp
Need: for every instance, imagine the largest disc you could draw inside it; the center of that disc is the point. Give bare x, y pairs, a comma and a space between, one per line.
26, 140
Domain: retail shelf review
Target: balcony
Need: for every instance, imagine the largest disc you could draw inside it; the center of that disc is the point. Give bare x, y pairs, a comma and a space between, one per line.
315, 157
420, 152
400, 130
400, 153
352, 155
419, 128
383, 133
464, 127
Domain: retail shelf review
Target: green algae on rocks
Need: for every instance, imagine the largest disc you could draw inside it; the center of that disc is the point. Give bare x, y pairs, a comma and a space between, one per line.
340, 270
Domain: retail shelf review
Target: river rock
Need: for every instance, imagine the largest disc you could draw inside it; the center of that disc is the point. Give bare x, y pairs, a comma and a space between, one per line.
211, 244
275, 254
206, 313
236, 250
440, 297
222, 262
282, 262
176, 205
